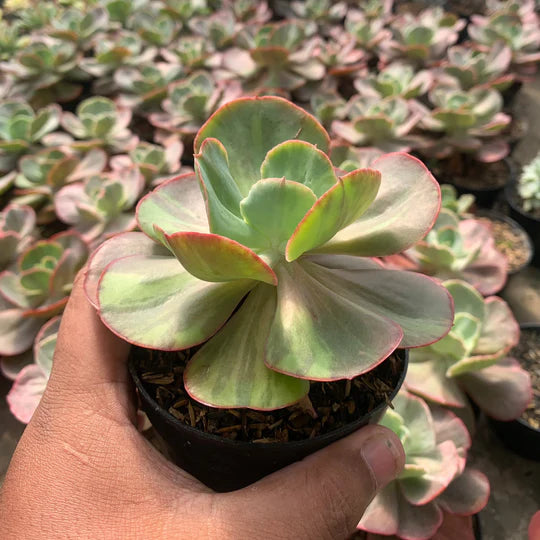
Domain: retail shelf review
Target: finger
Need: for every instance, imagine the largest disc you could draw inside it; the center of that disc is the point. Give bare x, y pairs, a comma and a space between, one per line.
89, 359
325, 494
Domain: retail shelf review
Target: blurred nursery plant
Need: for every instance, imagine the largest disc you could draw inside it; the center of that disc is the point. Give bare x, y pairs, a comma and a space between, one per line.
434, 487
471, 360
529, 186
463, 249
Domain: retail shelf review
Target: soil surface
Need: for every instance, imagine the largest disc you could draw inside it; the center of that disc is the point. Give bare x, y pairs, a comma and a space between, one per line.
330, 404
528, 354
470, 174
510, 241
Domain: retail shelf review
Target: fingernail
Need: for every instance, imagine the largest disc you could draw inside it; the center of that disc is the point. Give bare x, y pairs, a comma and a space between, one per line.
383, 457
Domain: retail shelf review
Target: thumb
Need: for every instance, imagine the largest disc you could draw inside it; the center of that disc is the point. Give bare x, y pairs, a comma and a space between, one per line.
324, 495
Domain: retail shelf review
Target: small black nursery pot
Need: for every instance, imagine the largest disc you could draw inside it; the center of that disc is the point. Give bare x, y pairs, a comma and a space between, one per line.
530, 223
485, 196
520, 435
225, 465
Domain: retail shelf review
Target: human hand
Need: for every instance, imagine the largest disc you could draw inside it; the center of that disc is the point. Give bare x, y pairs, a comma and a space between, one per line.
82, 470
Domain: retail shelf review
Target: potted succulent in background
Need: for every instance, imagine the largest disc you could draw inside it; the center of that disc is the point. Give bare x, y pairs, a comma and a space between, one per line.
471, 360
261, 267
523, 198
523, 434
435, 494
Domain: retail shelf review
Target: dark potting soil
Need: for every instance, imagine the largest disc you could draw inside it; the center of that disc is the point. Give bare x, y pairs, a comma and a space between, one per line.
335, 404
527, 352
471, 174
510, 241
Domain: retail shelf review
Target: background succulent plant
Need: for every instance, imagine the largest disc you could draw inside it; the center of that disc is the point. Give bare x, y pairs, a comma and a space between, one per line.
38, 288
30, 382
396, 79
434, 484
21, 127
315, 250
101, 205
382, 123
471, 359
98, 122
529, 185
468, 122
462, 249
17, 229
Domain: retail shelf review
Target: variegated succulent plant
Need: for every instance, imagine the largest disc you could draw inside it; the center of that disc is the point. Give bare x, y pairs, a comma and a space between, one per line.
519, 31
459, 205
144, 87
44, 173
382, 123
21, 128
80, 26
471, 359
38, 288
434, 485
11, 39
324, 13
471, 66
396, 79
467, 122
46, 71
349, 158
193, 53
30, 382
155, 26
101, 205
100, 123
219, 29
191, 101
274, 57
369, 32
529, 185
327, 106
269, 232
422, 39
17, 230
340, 55
155, 162
463, 250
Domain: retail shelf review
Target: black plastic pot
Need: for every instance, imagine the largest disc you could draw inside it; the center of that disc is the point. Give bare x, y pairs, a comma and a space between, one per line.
486, 197
226, 465
498, 216
526, 220
518, 435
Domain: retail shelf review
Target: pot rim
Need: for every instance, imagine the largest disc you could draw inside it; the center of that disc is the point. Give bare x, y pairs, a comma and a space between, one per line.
488, 213
362, 420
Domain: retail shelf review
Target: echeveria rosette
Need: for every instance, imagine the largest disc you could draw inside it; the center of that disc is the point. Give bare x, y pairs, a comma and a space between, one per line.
101, 205
468, 122
31, 381
471, 359
17, 229
79, 25
459, 205
434, 485
276, 57
44, 173
422, 39
396, 79
21, 128
275, 223
100, 123
382, 123
521, 34
471, 66
461, 249
38, 288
